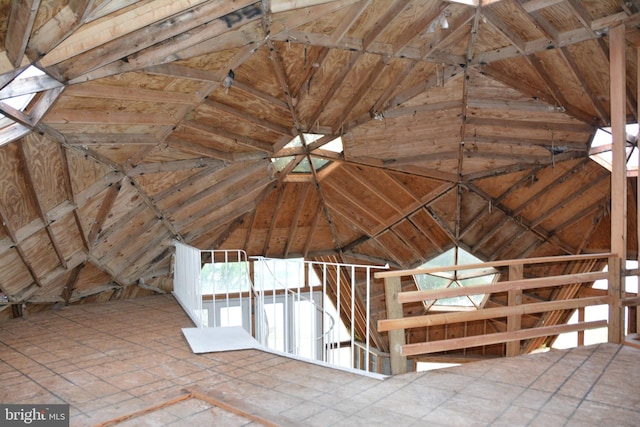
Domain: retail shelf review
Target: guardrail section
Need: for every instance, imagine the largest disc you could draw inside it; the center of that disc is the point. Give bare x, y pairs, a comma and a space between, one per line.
396, 323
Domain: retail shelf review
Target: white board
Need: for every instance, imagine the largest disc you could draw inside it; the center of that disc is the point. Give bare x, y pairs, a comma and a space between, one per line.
210, 340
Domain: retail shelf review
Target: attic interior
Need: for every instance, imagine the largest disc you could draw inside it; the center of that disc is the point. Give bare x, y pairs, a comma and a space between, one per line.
350, 131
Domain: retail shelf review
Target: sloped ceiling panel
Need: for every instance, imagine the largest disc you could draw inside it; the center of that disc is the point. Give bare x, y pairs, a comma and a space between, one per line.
167, 115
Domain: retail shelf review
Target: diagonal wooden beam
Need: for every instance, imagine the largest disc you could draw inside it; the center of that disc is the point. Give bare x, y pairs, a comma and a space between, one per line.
6, 224
577, 193
58, 28
582, 15
294, 221
253, 197
226, 201
21, 18
27, 161
506, 30
239, 139
579, 75
101, 32
266, 124
219, 187
559, 180
538, 231
363, 87
274, 219
72, 282
539, 20
103, 212
355, 11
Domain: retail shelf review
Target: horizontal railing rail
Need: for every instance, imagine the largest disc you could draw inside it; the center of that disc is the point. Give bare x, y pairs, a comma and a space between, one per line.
396, 323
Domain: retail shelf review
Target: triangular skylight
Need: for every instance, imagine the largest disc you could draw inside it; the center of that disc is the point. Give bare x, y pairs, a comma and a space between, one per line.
17, 102
601, 148
18, 111
304, 167
452, 279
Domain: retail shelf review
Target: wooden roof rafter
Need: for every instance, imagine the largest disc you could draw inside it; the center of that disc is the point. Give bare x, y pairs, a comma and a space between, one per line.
254, 195
221, 202
563, 204
58, 28
555, 183
4, 218
266, 124
540, 233
394, 108
294, 221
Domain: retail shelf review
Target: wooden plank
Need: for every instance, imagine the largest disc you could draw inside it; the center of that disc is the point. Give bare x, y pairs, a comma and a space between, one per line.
103, 31
527, 261
214, 20
28, 164
62, 116
213, 34
496, 338
105, 209
243, 408
540, 282
487, 313
21, 19
174, 165
45, 102
29, 85
145, 411
294, 221
514, 299
392, 287
278, 6
57, 28
617, 58
269, 126
239, 139
534, 5
96, 90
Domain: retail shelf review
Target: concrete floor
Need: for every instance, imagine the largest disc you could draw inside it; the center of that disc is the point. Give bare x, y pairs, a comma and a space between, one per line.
127, 363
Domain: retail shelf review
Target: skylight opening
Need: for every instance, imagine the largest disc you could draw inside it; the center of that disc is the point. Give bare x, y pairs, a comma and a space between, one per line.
453, 279
304, 167
19, 85
601, 148
20, 102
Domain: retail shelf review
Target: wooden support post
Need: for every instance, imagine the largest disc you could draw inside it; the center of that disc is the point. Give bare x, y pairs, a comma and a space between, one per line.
392, 287
616, 310
514, 322
581, 333
617, 63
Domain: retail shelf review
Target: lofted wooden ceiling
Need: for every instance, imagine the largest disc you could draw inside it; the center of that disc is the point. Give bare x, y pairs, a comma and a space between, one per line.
461, 124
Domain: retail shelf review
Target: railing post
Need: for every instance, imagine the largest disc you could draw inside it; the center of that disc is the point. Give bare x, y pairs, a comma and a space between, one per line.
514, 322
616, 310
392, 286
581, 313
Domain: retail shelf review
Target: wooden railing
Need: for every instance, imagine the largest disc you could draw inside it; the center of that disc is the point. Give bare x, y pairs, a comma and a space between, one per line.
396, 323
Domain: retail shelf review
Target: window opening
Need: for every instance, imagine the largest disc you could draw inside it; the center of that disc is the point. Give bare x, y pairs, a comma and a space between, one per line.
232, 274
601, 146
451, 279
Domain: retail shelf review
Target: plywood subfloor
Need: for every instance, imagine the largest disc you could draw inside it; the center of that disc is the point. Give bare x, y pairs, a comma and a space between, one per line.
113, 360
